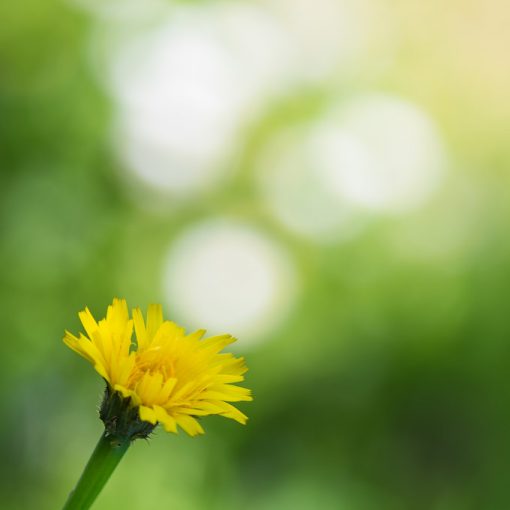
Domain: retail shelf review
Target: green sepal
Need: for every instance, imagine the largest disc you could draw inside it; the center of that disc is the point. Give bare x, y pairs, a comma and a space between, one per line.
121, 419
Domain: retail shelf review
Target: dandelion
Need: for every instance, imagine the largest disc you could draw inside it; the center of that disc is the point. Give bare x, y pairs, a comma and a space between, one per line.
164, 376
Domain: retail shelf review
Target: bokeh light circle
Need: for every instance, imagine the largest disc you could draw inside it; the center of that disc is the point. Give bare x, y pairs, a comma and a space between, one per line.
380, 152
296, 193
189, 84
325, 35
229, 276
374, 154
188, 87
179, 107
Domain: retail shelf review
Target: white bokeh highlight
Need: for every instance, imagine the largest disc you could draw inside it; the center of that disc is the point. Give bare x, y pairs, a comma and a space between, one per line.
179, 107
326, 35
229, 277
190, 83
380, 152
297, 194
187, 89
374, 154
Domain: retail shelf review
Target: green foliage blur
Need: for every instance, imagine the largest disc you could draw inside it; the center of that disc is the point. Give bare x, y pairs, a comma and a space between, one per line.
387, 387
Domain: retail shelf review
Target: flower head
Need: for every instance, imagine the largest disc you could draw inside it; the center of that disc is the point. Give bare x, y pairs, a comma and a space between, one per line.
165, 376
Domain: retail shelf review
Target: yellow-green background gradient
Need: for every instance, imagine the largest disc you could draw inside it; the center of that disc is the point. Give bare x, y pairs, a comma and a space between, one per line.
328, 180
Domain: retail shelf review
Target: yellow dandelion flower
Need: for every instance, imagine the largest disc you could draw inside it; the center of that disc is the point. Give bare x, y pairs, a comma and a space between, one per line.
165, 377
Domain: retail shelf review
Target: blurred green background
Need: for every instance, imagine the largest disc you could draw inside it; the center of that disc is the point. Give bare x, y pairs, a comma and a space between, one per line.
327, 180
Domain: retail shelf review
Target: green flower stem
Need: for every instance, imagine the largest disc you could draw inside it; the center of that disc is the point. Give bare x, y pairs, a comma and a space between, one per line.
100, 466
